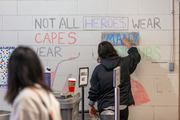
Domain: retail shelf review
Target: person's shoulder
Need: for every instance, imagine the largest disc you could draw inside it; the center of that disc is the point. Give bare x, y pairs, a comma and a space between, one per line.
97, 66
25, 95
26, 99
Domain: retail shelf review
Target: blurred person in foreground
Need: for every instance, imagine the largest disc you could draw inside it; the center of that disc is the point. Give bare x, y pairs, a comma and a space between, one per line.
30, 97
102, 89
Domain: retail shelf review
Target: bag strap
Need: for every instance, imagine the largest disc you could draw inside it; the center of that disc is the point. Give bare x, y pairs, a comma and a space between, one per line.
51, 115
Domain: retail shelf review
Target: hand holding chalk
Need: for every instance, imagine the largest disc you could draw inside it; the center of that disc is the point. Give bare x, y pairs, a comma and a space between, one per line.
126, 42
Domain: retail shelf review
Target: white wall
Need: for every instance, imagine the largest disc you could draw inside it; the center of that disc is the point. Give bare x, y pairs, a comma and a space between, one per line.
17, 27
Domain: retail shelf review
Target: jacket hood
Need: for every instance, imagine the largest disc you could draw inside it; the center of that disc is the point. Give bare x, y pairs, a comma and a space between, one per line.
111, 63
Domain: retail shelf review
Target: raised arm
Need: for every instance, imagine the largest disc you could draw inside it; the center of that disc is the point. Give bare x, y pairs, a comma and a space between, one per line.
133, 58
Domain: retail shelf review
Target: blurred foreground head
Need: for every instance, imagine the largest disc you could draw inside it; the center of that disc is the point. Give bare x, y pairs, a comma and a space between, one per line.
24, 69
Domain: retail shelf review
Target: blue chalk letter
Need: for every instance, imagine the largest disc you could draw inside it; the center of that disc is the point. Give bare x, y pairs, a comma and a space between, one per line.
135, 37
110, 37
119, 38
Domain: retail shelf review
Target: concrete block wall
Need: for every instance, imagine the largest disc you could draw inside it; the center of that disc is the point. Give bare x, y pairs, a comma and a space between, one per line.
54, 43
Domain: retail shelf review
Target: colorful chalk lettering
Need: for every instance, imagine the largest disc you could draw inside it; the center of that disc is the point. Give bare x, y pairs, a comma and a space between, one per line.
147, 53
56, 38
105, 23
116, 37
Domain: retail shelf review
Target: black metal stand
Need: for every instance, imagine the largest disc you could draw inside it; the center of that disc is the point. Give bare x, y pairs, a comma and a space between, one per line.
83, 81
82, 103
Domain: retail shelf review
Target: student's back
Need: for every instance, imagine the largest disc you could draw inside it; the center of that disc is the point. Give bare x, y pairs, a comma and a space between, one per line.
101, 89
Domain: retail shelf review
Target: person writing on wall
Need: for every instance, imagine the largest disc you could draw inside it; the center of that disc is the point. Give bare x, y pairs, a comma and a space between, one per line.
101, 89
30, 97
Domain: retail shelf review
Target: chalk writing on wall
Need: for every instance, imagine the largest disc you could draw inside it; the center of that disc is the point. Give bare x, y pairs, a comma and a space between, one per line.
56, 38
149, 23
68, 25
53, 39
105, 23
5, 52
44, 51
116, 37
148, 53
60, 23
95, 23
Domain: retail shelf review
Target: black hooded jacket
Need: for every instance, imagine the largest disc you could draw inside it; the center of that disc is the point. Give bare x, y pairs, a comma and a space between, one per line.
102, 89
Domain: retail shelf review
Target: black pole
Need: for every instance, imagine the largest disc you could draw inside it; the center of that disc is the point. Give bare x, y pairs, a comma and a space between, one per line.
82, 103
